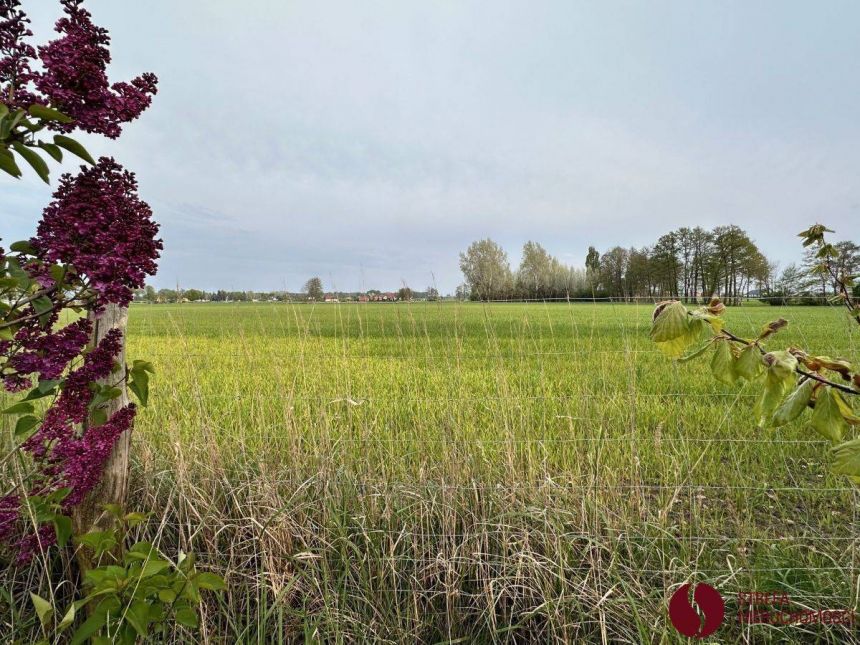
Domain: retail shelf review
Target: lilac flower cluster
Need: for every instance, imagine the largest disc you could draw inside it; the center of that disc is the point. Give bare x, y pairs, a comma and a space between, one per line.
75, 77
15, 56
67, 456
98, 224
47, 353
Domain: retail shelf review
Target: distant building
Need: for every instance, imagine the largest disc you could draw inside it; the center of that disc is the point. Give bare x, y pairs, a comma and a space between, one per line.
330, 297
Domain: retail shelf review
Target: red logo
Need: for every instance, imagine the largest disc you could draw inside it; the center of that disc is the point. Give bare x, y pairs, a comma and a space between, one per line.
687, 620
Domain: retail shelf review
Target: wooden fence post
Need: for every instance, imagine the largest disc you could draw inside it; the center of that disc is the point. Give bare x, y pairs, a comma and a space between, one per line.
113, 487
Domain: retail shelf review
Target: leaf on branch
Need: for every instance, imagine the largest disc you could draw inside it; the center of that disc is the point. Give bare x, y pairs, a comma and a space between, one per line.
845, 408
772, 327
53, 150
67, 143
36, 162
749, 364
674, 330
694, 354
22, 246
19, 408
48, 114
723, 362
847, 458
826, 417
7, 163
794, 404
779, 378
25, 425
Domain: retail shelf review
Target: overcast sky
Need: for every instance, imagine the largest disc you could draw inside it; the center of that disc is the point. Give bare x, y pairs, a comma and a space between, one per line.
369, 142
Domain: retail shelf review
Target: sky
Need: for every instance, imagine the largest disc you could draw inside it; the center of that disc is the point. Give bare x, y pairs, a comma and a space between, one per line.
370, 142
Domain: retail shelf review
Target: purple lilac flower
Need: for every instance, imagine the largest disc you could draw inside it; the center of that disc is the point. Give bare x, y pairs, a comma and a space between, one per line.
75, 77
98, 223
48, 353
15, 56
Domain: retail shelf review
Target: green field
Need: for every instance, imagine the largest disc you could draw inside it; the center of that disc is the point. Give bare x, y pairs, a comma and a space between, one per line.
444, 472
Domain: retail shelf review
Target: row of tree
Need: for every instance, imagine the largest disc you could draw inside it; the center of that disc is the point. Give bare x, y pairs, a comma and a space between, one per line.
312, 291
691, 264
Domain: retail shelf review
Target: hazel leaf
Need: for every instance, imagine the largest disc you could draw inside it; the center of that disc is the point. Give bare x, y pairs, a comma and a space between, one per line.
826, 417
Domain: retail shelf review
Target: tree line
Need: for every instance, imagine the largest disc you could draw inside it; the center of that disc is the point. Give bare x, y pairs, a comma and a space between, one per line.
690, 264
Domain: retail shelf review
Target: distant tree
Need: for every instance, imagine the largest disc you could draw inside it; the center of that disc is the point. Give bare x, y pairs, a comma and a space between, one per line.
432, 293
167, 295
462, 292
592, 268
847, 263
613, 267
150, 294
487, 270
535, 275
194, 295
404, 293
792, 282
314, 289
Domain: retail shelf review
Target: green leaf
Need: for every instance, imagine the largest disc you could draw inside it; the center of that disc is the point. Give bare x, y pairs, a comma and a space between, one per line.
154, 567
167, 596
776, 383
749, 364
99, 541
845, 408
826, 417
723, 362
48, 114
780, 364
67, 143
19, 408
63, 529
187, 617
68, 619
7, 163
96, 621
34, 159
133, 519
713, 321
47, 386
25, 425
794, 404
847, 458
53, 150
145, 366
139, 385
44, 306
672, 322
137, 615
695, 354
674, 330
22, 246
211, 581
44, 609
98, 417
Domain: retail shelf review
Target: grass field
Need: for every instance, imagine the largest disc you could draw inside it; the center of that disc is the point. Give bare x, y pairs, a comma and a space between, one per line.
442, 472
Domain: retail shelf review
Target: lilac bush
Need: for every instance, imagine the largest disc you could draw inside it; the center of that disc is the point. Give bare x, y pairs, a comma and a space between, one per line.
95, 244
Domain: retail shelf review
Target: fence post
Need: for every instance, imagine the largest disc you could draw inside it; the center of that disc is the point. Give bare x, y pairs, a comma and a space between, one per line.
113, 487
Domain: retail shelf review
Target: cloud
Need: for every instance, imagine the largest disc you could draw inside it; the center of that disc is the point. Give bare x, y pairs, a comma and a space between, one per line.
370, 142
